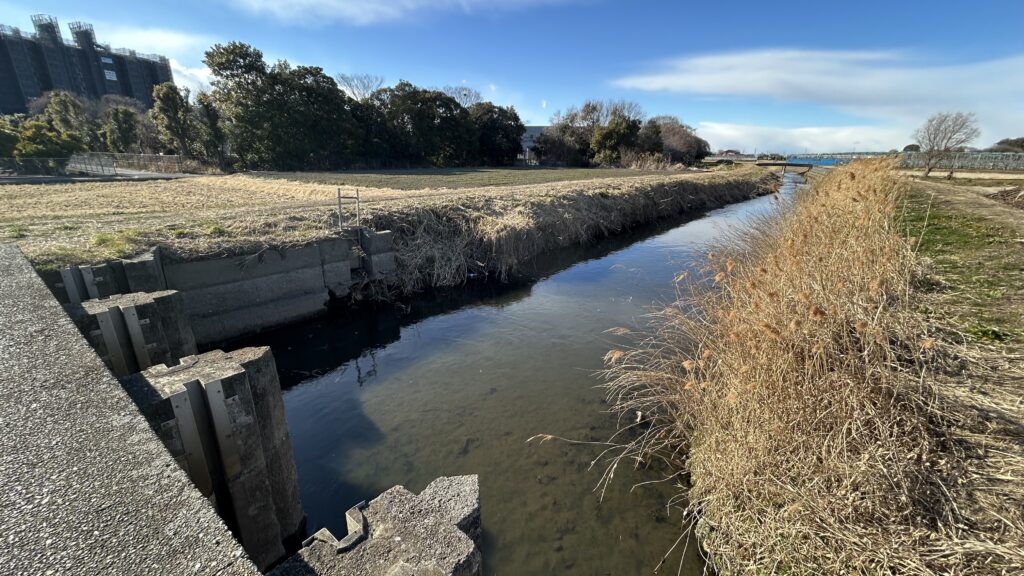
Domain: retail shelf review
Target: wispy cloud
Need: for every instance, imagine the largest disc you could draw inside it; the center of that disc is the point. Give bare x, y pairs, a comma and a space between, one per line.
164, 41
887, 87
183, 49
748, 137
365, 12
195, 79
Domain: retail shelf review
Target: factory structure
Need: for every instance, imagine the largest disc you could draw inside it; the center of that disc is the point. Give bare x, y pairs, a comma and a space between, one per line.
32, 64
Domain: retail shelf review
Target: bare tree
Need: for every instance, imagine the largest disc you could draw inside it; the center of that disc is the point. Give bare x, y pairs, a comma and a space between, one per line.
943, 133
464, 95
359, 86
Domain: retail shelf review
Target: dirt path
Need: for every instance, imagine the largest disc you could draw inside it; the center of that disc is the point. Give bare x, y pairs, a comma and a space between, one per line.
973, 199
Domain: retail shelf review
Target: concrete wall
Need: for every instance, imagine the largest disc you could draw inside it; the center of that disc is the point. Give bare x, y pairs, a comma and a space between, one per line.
236, 296
88, 488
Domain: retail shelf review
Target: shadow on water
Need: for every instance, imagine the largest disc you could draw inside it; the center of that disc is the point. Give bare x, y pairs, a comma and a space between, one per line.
455, 381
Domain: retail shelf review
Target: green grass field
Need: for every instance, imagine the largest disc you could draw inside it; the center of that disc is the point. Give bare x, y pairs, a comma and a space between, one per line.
454, 178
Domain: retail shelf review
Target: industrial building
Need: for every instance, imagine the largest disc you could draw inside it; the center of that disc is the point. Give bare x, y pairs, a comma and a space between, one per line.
31, 64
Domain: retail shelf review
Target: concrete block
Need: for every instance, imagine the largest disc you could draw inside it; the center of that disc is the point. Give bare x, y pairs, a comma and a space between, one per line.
132, 332
145, 273
336, 262
187, 276
179, 417
104, 280
268, 402
73, 286
380, 266
376, 242
242, 434
338, 278
405, 534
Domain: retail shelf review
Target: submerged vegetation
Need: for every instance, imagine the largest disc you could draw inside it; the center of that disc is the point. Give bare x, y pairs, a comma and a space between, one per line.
824, 424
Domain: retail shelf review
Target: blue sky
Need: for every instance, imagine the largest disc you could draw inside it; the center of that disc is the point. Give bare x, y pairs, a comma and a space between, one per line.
786, 76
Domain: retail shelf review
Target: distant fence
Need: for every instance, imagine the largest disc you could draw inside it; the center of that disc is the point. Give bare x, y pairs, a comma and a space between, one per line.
969, 161
94, 165
164, 163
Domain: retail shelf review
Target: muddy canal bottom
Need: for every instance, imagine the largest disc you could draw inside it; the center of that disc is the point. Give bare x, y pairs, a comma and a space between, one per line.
458, 384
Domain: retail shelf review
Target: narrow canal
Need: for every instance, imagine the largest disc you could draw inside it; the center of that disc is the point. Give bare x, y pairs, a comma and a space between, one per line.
457, 383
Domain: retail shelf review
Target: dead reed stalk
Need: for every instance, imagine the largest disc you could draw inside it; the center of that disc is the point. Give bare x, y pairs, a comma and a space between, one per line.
816, 412
443, 241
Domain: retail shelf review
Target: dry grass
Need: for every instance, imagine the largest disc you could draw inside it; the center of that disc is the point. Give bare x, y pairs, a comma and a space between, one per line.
825, 426
457, 178
1010, 196
443, 234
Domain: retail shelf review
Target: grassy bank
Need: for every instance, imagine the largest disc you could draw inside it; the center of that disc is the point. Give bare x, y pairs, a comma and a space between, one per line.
828, 422
975, 264
446, 240
442, 235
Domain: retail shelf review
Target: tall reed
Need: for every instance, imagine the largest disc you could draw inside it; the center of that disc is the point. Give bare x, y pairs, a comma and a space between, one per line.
822, 422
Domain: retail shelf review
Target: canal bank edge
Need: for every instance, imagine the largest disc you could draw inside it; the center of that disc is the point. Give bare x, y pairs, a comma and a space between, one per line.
404, 250
88, 488
91, 489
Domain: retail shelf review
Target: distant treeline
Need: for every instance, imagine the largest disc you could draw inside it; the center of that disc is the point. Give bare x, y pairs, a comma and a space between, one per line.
614, 133
282, 117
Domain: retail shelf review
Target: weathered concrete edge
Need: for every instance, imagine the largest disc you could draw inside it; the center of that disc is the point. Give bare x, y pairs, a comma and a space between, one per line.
88, 487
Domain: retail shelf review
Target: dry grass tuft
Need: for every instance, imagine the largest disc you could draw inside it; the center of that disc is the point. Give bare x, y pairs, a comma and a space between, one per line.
445, 240
825, 427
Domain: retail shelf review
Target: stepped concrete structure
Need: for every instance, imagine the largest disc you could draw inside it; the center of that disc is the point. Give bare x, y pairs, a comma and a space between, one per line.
401, 534
161, 472
87, 487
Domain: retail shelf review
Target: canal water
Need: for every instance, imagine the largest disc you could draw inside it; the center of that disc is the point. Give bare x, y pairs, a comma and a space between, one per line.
456, 383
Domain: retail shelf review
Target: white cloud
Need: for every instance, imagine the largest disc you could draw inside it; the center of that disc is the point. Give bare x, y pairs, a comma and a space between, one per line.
195, 79
544, 104
163, 41
492, 87
748, 137
884, 86
364, 12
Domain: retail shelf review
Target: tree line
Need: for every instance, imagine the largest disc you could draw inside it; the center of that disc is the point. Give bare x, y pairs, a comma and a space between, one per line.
615, 133
264, 116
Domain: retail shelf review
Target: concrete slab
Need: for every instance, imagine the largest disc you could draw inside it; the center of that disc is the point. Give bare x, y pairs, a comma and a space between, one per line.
87, 486
407, 534
186, 276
